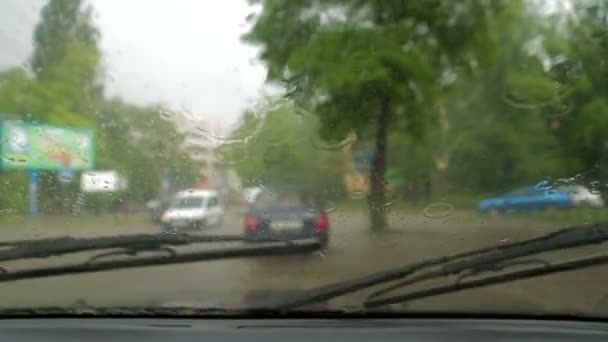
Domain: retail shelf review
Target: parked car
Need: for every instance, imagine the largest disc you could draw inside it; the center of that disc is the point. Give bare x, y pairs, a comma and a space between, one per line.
526, 199
286, 213
582, 196
193, 209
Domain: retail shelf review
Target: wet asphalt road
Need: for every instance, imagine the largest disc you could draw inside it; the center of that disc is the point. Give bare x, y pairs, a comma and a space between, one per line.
354, 251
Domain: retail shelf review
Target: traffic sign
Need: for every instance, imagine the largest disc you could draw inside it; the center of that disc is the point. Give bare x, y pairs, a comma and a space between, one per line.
363, 162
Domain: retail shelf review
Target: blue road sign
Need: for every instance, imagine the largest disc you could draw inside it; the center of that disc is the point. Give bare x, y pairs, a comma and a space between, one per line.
363, 162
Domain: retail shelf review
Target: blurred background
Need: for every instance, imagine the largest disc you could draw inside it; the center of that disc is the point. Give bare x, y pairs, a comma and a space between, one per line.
452, 104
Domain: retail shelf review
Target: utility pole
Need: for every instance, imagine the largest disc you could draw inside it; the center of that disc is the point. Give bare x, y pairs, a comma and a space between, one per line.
165, 182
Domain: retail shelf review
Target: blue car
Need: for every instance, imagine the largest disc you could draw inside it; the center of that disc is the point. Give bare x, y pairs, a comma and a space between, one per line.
527, 199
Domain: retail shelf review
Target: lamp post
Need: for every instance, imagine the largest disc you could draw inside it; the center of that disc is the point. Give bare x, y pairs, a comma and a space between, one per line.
165, 182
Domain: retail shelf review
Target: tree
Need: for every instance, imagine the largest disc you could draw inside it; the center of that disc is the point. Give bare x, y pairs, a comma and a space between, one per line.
274, 145
133, 140
578, 51
64, 90
63, 23
414, 161
372, 66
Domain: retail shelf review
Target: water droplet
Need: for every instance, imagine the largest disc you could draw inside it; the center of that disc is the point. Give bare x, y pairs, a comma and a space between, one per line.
438, 210
357, 194
166, 113
8, 211
545, 184
330, 207
594, 187
349, 140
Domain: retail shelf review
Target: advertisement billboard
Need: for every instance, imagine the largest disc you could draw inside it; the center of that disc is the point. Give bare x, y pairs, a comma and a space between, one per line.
41, 147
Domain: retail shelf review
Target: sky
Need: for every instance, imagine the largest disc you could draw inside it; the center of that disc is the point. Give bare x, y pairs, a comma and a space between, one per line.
185, 54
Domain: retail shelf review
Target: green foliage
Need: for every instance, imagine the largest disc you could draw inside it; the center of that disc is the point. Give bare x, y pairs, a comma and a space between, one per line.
13, 193
523, 92
64, 23
495, 158
497, 92
64, 90
374, 66
277, 146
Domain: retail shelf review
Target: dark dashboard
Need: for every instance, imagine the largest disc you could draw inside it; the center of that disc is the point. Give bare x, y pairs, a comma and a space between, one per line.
352, 330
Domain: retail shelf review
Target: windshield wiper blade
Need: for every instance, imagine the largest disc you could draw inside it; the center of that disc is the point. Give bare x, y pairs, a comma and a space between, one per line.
275, 248
546, 269
464, 265
43, 248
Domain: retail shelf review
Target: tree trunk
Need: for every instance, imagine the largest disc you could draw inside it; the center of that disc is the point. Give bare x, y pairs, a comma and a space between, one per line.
376, 199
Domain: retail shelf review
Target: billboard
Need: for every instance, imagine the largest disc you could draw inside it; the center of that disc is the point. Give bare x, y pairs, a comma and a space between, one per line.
41, 147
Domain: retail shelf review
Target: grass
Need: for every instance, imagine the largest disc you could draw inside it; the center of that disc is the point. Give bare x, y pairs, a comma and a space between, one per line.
465, 207
577, 215
459, 202
86, 225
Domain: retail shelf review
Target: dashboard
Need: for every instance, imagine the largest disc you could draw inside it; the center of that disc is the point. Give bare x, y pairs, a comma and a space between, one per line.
294, 330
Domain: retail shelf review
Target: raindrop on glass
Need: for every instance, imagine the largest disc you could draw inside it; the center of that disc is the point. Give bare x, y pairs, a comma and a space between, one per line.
438, 210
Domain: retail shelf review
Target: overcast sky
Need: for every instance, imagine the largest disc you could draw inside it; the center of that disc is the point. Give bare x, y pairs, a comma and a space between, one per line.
185, 53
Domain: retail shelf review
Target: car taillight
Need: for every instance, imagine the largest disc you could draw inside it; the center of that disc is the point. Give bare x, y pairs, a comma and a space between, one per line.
321, 223
250, 223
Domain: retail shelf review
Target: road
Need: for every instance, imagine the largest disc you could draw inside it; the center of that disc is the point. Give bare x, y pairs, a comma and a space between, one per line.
354, 251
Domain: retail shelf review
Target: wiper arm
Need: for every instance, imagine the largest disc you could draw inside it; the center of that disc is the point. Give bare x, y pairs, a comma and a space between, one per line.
494, 258
133, 245
43, 248
548, 268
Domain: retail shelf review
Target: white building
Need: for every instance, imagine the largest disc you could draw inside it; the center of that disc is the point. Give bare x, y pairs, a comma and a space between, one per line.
202, 142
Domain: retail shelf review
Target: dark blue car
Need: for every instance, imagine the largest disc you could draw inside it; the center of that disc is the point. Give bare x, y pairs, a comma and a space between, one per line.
286, 213
527, 199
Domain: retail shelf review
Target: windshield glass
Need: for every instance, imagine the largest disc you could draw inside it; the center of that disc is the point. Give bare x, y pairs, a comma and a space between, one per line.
385, 132
187, 203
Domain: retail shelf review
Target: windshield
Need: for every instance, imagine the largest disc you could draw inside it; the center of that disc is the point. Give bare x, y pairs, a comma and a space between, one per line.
187, 203
386, 132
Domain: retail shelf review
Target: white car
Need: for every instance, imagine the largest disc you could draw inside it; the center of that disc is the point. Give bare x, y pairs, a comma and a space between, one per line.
583, 197
193, 209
